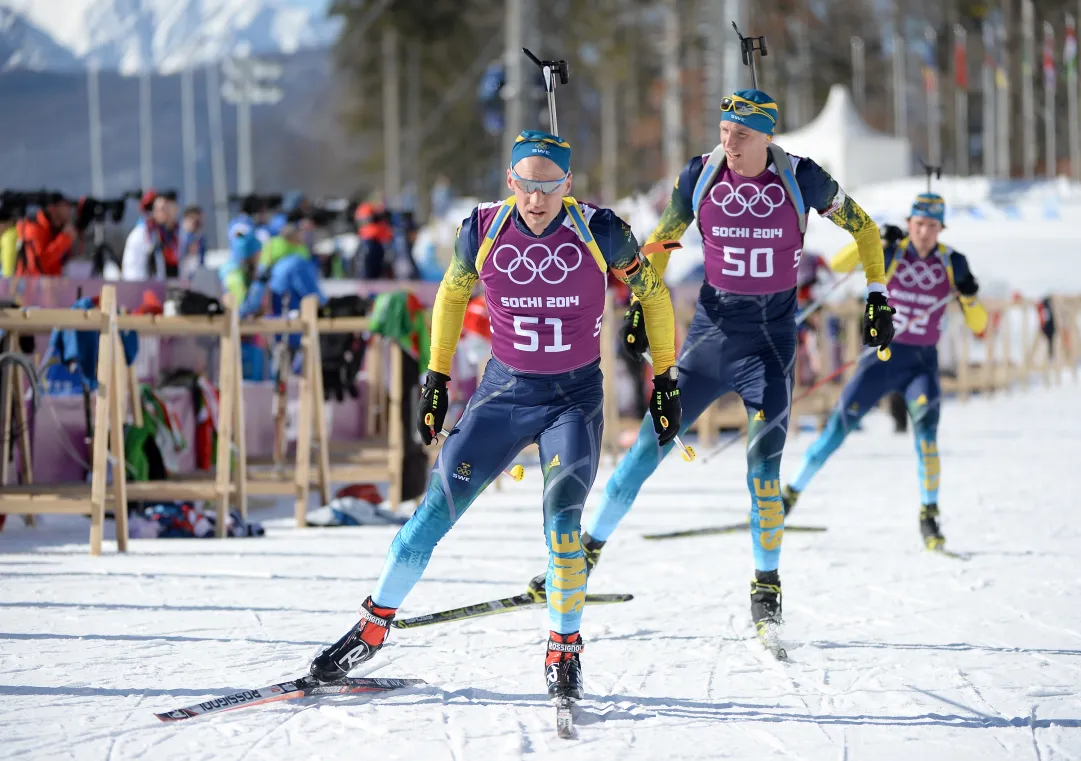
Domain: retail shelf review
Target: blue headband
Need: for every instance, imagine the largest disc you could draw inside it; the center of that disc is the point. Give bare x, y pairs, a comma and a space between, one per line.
930, 205
534, 143
757, 121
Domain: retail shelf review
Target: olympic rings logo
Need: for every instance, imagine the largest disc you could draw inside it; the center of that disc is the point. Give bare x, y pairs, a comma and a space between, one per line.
523, 268
760, 201
920, 274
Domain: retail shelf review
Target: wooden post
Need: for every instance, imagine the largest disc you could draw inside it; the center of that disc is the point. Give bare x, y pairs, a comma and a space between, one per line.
102, 399
964, 382
1009, 372
322, 433
240, 434
395, 429
302, 477
7, 387
23, 444
117, 408
990, 365
227, 389
136, 398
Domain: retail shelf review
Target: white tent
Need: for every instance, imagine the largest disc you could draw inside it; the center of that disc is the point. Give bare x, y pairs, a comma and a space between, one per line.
841, 143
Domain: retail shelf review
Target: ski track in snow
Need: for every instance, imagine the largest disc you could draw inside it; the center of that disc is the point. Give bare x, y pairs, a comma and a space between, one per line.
895, 653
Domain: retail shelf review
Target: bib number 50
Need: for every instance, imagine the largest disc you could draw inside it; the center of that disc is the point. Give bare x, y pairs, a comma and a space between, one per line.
760, 261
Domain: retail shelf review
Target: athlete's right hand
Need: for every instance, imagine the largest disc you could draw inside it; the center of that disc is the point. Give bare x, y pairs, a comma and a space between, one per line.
632, 335
665, 407
432, 410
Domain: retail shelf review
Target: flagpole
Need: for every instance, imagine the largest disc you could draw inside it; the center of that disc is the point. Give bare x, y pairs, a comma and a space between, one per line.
934, 129
1050, 152
1002, 102
1028, 104
960, 64
989, 115
1069, 56
900, 86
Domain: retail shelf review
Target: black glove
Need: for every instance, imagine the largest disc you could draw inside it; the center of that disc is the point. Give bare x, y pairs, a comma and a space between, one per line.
665, 407
877, 320
890, 233
433, 406
632, 335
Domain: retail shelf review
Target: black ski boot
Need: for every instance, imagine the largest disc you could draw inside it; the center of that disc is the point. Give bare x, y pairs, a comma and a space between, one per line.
932, 536
563, 667
766, 610
789, 497
360, 644
592, 549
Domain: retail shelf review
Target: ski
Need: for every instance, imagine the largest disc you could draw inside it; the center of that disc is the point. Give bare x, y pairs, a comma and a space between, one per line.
503, 605
565, 718
771, 640
302, 687
949, 553
731, 528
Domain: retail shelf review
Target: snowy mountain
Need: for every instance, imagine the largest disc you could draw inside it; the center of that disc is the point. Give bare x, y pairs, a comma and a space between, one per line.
126, 35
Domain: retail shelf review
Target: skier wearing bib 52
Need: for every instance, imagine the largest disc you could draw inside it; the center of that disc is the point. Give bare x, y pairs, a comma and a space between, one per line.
922, 274
750, 200
542, 258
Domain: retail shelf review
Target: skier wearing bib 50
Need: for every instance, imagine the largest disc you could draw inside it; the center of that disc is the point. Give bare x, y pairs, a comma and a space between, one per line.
922, 274
750, 200
543, 259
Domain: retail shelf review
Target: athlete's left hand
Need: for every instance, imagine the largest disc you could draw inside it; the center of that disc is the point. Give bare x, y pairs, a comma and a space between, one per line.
632, 334
432, 411
665, 408
877, 320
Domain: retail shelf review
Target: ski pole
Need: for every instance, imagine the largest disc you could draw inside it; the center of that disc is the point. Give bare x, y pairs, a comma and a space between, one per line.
884, 354
516, 473
821, 300
687, 452
550, 69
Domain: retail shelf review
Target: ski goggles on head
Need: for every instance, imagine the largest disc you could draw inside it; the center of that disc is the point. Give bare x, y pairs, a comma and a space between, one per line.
532, 186
744, 107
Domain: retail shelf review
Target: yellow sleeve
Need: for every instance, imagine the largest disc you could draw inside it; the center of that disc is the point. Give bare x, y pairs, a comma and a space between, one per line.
975, 314
671, 226
846, 259
645, 282
448, 314
9, 251
862, 228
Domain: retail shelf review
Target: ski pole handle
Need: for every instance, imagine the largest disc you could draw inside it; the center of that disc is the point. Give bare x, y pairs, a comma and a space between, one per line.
516, 473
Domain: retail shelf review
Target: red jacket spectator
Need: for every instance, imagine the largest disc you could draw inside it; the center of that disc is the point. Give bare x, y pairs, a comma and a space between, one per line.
46, 240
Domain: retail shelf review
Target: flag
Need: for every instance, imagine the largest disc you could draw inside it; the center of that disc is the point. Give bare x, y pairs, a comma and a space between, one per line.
1048, 56
1069, 48
960, 58
930, 72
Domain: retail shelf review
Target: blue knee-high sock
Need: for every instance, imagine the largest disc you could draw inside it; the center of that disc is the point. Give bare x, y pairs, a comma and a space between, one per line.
925, 426
566, 579
765, 444
821, 450
412, 547
636, 466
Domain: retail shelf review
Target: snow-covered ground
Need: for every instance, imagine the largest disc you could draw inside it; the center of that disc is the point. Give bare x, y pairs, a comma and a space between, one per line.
896, 653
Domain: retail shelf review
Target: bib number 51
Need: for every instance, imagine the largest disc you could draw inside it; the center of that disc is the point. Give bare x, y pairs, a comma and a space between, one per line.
521, 329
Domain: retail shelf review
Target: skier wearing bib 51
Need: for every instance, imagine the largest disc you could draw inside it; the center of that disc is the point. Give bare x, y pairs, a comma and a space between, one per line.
922, 275
543, 259
750, 200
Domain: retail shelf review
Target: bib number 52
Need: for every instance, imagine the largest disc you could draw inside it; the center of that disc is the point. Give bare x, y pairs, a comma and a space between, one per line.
910, 320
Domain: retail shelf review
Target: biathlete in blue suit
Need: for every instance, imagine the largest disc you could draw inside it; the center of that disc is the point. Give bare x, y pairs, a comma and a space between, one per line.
750, 201
922, 274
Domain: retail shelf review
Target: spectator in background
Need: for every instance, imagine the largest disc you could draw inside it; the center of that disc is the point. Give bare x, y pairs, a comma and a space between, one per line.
192, 239
9, 246
375, 233
244, 247
47, 239
150, 252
